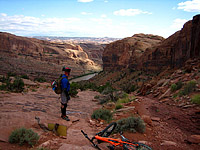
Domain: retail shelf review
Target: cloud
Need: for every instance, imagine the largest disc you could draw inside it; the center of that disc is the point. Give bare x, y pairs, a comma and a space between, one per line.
103, 16
85, 1
26, 25
3, 14
86, 13
178, 23
190, 6
130, 12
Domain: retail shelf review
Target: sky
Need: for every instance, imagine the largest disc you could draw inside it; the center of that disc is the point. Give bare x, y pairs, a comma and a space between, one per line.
95, 18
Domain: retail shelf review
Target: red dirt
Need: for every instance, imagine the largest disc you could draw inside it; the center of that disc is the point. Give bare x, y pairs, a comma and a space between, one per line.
168, 128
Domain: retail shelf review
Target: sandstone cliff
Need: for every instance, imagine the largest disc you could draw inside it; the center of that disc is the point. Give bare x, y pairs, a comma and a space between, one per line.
175, 50
94, 51
125, 52
153, 53
41, 58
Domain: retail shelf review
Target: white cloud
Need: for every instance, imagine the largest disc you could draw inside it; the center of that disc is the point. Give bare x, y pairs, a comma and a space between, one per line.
130, 12
106, 1
103, 16
85, 1
190, 6
178, 23
86, 13
26, 25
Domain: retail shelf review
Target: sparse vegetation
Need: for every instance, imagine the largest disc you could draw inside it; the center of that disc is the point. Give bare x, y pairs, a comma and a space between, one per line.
16, 86
125, 99
40, 79
190, 86
132, 124
196, 99
103, 114
128, 88
118, 106
24, 76
177, 86
23, 136
11, 74
173, 87
73, 89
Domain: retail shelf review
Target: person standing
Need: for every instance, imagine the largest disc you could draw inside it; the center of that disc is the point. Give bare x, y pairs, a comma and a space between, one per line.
65, 87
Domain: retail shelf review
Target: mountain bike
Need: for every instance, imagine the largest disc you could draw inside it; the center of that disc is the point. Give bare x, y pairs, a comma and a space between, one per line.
102, 136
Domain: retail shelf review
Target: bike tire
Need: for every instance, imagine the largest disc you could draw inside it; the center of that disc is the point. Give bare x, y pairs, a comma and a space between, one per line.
140, 146
108, 130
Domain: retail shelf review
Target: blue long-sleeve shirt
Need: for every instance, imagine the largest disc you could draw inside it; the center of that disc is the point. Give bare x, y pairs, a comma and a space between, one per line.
65, 83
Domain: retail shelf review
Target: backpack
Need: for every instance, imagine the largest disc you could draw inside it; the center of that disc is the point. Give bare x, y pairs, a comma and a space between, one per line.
56, 85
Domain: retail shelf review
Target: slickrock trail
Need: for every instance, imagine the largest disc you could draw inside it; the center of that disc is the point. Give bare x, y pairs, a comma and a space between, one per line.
167, 126
19, 110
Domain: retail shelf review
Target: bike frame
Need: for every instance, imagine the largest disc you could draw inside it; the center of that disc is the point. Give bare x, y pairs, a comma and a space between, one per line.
114, 142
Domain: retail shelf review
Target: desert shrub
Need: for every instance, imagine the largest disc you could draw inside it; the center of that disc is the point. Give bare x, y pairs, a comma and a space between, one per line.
73, 89
84, 85
189, 87
103, 114
40, 79
105, 89
118, 106
177, 86
173, 87
97, 97
128, 88
24, 76
196, 99
16, 86
23, 135
5, 79
11, 74
126, 99
131, 124
104, 99
181, 93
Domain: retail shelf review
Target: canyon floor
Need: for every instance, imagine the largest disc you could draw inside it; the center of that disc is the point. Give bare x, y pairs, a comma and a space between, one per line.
168, 127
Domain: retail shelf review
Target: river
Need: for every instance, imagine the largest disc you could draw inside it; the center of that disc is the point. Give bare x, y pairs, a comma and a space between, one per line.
86, 77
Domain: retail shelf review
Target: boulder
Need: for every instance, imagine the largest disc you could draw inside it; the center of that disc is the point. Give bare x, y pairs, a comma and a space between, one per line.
194, 139
168, 143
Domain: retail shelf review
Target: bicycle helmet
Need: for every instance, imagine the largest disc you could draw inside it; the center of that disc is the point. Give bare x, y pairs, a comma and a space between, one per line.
66, 69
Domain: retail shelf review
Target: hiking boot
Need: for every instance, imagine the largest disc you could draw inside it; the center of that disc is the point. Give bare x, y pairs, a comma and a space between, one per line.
65, 118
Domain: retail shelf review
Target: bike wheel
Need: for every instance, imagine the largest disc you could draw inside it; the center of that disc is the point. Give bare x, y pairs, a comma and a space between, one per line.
136, 146
108, 130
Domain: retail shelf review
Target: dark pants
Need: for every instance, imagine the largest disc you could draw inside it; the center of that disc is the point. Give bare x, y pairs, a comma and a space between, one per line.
63, 109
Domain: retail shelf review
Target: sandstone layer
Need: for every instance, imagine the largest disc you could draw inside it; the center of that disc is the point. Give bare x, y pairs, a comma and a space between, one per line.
123, 53
42, 58
153, 53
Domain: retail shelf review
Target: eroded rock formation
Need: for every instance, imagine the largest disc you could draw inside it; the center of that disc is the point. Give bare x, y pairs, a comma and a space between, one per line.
125, 52
41, 58
152, 53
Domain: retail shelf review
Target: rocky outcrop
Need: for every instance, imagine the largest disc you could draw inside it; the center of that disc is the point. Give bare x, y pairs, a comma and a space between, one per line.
94, 51
175, 50
125, 52
41, 58
152, 53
